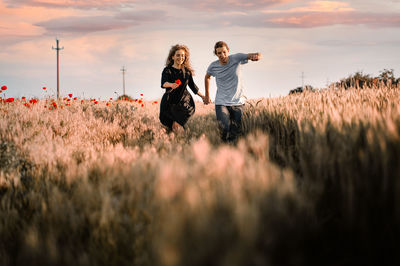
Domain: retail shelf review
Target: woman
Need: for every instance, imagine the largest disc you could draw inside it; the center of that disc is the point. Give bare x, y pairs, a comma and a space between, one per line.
177, 104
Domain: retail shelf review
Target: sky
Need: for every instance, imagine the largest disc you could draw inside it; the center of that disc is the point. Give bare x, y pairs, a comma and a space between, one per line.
315, 42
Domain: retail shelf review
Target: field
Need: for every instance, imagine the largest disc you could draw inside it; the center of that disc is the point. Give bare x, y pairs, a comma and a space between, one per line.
315, 180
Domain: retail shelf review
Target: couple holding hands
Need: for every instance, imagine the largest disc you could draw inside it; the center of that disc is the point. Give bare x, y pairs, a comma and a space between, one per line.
177, 104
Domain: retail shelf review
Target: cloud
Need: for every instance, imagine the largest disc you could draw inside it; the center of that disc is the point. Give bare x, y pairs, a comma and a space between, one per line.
143, 16
227, 5
79, 4
310, 19
87, 24
321, 19
18, 29
83, 24
317, 6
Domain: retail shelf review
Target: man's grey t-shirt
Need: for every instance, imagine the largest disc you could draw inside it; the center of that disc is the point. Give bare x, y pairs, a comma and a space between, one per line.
228, 79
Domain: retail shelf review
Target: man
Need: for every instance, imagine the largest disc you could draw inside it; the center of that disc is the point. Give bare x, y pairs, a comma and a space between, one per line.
229, 99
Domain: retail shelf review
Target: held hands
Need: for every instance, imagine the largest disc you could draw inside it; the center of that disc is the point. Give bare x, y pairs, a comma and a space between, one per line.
206, 100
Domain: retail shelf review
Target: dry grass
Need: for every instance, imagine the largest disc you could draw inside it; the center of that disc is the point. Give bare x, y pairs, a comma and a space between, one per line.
315, 180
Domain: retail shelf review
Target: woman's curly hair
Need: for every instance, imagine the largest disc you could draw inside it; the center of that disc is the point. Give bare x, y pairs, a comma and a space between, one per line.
186, 63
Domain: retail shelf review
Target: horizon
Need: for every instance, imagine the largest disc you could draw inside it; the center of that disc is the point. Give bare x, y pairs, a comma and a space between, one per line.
325, 40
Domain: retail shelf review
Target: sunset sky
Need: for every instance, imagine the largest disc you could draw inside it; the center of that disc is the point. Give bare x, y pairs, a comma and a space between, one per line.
327, 40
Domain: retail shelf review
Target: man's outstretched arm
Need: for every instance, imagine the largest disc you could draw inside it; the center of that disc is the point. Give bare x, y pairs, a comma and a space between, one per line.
254, 56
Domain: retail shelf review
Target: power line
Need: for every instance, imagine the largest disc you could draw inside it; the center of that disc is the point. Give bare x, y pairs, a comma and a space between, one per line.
58, 67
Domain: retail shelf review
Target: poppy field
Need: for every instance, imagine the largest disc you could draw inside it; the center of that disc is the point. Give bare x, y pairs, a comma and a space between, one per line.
314, 180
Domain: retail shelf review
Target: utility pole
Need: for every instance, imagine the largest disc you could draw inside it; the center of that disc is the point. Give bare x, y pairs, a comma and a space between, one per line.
123, 78
58, 67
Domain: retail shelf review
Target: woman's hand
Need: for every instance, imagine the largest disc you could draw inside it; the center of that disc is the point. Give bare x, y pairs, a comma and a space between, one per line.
174, 86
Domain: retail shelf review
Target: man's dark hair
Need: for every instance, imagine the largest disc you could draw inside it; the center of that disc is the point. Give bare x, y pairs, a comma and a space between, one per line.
219, 45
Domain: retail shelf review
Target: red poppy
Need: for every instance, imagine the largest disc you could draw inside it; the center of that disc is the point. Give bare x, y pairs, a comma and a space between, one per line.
4, 88
10, 100
75, 98
33, 101
142, 105
178, 81
96, 102
23, 98
141, 94
110, 99
70, 95
27, 104
44, 88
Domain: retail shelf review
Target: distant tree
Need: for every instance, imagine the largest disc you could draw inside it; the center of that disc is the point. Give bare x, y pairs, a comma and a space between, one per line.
386, 76
125, 97
396, 83
357, 80
302, 89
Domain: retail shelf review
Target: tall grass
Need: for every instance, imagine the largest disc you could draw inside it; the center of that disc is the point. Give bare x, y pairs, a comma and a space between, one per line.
314, 180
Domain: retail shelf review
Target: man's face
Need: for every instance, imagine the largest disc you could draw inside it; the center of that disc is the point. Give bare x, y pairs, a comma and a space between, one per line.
222, 53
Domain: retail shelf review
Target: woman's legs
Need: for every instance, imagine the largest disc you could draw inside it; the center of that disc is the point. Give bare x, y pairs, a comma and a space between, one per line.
177, 128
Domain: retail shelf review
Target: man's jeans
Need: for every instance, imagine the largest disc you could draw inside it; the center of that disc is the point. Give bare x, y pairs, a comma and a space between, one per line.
229, 121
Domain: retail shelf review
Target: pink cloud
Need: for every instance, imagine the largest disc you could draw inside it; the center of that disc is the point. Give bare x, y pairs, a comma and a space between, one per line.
87, 24
19, 29
20, 22
309, 19
83, 24
226, 5
316, 6
320, 19
70, 3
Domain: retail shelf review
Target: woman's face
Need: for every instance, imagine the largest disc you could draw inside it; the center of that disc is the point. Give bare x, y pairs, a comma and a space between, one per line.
179, 57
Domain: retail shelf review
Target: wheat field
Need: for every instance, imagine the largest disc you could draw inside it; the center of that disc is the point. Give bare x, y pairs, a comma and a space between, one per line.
314, 180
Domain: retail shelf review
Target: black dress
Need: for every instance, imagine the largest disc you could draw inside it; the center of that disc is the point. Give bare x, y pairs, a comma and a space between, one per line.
177, 105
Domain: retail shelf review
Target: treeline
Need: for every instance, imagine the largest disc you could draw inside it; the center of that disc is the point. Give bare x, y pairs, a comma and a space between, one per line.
360, 80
